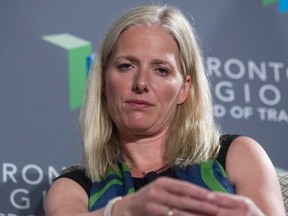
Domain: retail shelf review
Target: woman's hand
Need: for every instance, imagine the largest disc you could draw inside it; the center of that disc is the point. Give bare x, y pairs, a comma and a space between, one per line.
234, 205
167, 196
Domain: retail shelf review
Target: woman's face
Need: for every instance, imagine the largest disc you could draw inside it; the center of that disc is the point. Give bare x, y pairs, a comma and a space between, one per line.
143, 82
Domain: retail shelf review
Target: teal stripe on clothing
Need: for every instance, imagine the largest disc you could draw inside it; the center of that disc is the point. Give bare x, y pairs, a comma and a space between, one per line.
119, 181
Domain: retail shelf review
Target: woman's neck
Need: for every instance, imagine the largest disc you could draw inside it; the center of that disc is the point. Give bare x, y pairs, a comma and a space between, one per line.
143, 154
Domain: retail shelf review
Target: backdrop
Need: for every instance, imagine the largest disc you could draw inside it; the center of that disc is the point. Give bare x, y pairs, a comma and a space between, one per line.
47, 46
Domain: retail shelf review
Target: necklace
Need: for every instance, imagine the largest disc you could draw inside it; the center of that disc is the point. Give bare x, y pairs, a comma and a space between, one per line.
156, 169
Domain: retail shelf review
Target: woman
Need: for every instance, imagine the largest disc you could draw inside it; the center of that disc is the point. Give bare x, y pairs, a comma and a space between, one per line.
148, 113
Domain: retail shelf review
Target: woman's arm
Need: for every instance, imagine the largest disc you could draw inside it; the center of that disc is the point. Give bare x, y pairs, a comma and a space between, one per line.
67, 198
252, 173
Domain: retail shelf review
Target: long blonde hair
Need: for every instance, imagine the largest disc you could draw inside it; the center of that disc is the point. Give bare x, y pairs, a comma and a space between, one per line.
193, 136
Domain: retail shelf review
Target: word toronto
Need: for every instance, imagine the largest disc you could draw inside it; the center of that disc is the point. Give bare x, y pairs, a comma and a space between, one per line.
257, 88
22, 185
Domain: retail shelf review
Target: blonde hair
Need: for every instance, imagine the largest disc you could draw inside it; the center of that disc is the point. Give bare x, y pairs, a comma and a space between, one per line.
193, 136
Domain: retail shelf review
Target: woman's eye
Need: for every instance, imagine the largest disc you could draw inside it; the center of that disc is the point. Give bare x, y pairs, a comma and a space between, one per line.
163, 71
124, 67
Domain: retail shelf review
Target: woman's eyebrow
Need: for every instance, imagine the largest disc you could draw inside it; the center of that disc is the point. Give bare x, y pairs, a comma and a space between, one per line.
160, 61
128, 57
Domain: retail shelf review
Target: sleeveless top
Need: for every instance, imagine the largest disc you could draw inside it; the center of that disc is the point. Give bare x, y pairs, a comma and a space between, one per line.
119, 182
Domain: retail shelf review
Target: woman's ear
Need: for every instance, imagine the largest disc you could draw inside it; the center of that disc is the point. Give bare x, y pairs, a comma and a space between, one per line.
184, 92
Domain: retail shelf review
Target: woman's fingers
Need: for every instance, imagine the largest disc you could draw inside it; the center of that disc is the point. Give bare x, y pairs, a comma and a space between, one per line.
227, 200
182, 188
165, 196
186, 203
180, 196
159, 209
234, 205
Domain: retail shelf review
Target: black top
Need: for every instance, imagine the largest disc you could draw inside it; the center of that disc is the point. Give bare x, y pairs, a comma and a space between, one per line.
77, 173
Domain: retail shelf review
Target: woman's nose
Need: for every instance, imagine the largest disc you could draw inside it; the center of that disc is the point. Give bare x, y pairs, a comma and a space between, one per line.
141, 82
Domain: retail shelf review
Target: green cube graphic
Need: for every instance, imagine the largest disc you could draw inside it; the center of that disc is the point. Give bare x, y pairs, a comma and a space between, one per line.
78, 50
268, 2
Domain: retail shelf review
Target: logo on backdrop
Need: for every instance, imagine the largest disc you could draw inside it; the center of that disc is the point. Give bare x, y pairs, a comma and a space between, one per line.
79, 60
232, 84
282, 4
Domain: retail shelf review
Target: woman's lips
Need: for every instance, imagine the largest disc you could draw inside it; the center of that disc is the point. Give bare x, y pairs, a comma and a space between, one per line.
139, 104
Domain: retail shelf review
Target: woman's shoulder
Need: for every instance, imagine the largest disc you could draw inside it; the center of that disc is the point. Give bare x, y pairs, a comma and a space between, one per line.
225, 142
67, 195
251, 171
77, 174
246, 151
234, 146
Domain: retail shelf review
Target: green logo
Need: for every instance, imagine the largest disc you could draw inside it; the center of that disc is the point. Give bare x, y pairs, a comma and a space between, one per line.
282, 4
79, 59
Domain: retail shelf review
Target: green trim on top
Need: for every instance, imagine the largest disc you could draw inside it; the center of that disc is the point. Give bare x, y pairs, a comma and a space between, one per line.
222, 169
97, 195
125, 167
209, 178
131, 190
114, 169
